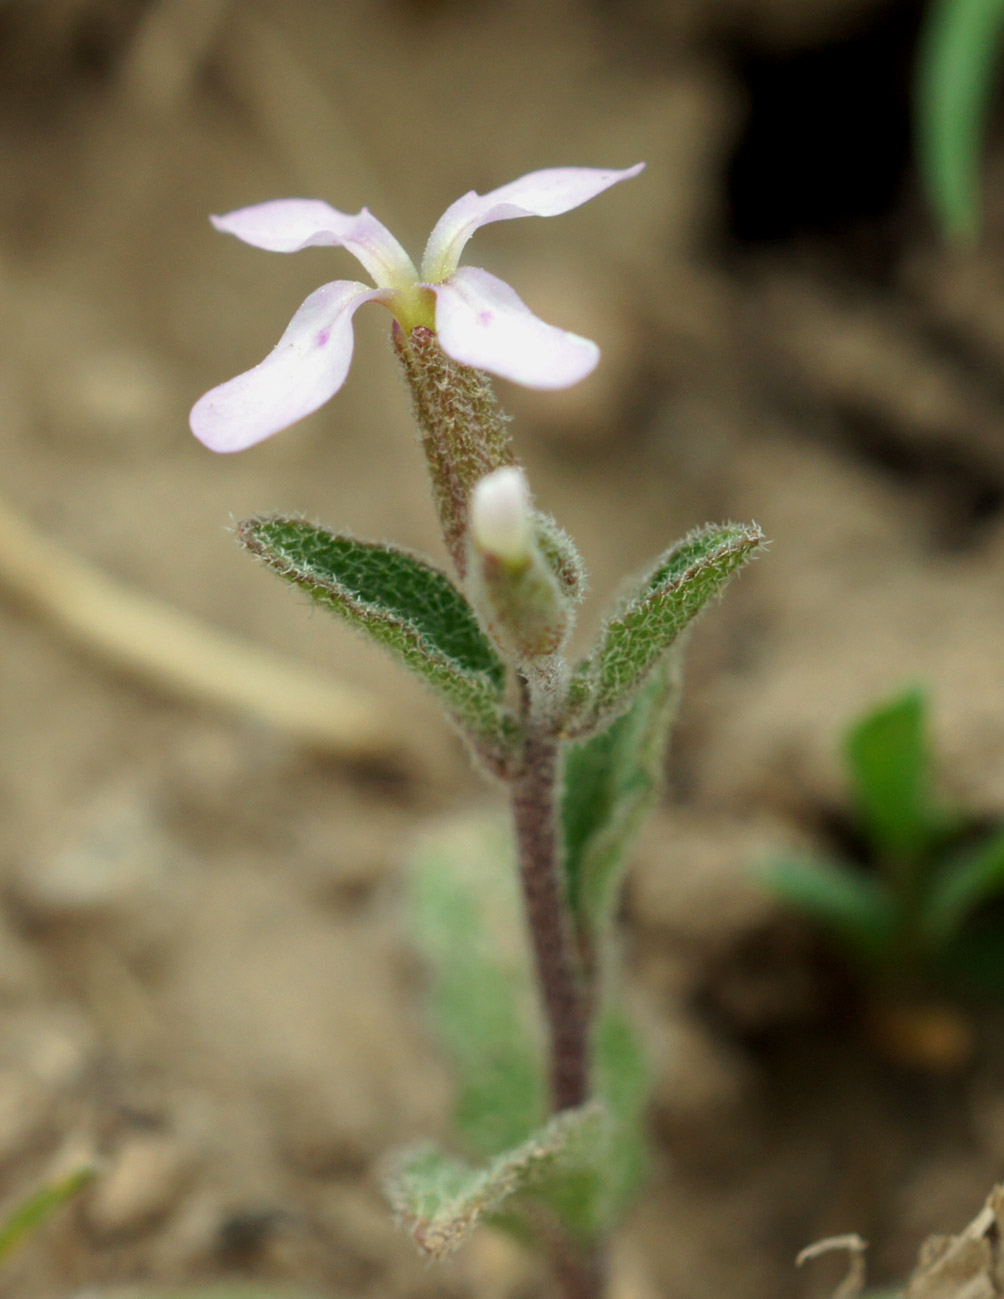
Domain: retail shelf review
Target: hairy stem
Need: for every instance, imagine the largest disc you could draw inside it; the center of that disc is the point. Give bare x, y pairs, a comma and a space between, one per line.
463, 430
580, 1274
534, 798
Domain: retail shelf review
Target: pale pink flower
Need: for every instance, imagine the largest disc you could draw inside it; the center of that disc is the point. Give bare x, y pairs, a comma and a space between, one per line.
479, 320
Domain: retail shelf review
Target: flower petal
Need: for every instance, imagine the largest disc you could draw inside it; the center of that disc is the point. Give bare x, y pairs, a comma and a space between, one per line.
540, 193
481, 321
307, 366
288, 224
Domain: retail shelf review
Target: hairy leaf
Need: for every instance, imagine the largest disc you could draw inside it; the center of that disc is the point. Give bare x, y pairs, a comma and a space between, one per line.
960, 52
468, 923
440, 1199
589, 1189
401, 602
562, 555
611, 781
652, 617
858, 908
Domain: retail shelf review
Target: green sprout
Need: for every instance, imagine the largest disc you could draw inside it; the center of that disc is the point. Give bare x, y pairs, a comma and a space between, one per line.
26, 1215
913, 915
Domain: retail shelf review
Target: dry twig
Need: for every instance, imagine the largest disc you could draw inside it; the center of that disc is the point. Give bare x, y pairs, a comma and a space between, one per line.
175, 652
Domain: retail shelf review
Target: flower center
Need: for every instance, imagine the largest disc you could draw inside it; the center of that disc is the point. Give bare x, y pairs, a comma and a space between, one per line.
412, 306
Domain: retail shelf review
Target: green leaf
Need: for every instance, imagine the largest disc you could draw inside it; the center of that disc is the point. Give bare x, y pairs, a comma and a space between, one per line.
973, 965
857, 908
402, 603
889, 762
960, 885
589, 1189
611, 781
624, 1080
440, 1200
960, 47
469, 926
562, 555
653, 616
29, 1214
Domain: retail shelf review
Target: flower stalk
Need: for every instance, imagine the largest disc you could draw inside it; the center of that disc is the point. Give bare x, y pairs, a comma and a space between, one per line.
463, 431
535, 816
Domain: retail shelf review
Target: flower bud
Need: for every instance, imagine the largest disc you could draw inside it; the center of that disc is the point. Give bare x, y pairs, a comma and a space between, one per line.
511, 582
501, 517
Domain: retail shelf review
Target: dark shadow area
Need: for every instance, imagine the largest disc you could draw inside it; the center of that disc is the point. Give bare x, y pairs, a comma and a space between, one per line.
826, 149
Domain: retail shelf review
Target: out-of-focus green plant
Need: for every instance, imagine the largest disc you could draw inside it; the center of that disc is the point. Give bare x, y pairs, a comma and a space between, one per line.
26, 1215
911, 914
468, 923
959, 52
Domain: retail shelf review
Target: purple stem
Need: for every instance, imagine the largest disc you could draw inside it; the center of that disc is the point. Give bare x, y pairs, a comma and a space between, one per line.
581, 1274
534, 798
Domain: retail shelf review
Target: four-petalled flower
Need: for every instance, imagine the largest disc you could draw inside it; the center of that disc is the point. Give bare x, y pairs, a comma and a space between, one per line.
479, 320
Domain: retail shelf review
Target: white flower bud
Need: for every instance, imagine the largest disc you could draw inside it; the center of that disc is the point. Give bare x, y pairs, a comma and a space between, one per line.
501, 518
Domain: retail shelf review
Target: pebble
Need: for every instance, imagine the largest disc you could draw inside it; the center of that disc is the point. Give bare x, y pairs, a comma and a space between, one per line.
110, 862
142, 1184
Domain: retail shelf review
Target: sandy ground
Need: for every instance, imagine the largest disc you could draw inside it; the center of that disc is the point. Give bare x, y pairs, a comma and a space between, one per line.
204, 969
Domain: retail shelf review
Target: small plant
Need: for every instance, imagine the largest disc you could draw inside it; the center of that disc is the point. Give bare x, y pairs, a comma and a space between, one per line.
911, 913
551, 1088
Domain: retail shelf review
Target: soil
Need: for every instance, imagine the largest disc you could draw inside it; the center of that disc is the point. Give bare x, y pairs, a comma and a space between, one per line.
205, 975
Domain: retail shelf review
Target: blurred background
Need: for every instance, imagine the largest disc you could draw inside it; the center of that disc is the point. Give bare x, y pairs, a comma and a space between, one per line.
209, 792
